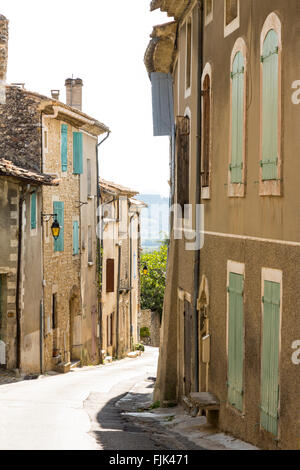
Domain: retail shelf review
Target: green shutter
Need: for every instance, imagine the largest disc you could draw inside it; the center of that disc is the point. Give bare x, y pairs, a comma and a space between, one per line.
77, 153
33, 211
75, 238
237, 131
236, 340
270, 63
58, 208
64, 147
270, 358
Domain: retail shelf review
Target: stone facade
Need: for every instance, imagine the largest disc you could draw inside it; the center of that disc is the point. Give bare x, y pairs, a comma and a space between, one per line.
150, 320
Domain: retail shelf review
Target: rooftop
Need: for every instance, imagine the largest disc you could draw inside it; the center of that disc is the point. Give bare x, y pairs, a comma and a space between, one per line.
7, 168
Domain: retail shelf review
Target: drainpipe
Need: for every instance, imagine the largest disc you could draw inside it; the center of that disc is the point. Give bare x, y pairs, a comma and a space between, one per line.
99, 246
198, 192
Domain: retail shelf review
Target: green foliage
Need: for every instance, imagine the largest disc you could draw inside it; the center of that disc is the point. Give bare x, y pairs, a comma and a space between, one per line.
153, 284
144, 332
139, 347
155, 405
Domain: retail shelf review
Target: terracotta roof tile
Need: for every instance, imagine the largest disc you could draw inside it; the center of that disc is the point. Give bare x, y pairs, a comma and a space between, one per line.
7, 168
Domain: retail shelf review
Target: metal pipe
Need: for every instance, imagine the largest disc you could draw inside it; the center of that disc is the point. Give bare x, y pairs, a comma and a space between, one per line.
130, 283
118, 300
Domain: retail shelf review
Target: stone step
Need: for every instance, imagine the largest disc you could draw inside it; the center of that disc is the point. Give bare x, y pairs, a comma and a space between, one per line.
75, 364
204, 400
63, 367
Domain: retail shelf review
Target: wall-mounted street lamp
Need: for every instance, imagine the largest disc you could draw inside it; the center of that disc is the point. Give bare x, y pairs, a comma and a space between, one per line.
145, 270
55, 227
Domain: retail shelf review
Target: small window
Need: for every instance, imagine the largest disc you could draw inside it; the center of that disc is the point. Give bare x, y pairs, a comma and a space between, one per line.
188, 54
231, 16
89, 177
33, 211
54, 311
208, 11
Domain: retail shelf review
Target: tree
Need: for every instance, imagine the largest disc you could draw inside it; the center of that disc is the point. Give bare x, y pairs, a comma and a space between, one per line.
153, 283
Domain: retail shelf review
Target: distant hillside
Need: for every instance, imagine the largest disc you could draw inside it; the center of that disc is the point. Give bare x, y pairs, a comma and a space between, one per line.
155, 220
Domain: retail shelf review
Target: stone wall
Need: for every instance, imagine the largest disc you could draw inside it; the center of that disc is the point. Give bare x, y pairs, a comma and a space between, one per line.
151, 320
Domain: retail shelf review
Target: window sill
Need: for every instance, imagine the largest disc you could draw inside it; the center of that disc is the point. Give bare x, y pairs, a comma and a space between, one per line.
90, 264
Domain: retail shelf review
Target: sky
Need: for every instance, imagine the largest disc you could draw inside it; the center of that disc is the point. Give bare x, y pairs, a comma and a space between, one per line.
103, 42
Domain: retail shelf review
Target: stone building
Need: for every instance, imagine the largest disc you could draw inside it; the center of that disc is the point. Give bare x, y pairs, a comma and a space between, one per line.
42, 134
228, 70
21, 274
120, 299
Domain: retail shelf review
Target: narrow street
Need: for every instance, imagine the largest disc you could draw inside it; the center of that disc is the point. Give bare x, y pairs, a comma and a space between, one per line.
77, 410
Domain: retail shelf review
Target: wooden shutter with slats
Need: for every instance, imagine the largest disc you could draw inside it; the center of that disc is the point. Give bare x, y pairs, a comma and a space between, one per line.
237, 125
270, 357
206, 132
77, 153
183, 159
64, 148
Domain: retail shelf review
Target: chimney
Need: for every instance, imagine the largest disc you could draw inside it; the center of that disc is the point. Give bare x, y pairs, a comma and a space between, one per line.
55, 94
74, 92
3, 57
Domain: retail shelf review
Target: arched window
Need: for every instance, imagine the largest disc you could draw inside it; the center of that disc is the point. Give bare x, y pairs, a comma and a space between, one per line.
237, 119
237, 147
269, 59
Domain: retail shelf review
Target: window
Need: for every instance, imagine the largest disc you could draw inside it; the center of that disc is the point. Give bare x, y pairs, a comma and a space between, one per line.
90, 244
231, 16
33, 204
183, 159
75, 238
188, 54
89, 177
271, 311
77, 153
206, 132
235, 334
110, 275
58, 208
54, 311
64, 147
208, 11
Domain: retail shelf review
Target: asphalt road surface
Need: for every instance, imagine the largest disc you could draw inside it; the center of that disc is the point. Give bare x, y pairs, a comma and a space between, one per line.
77, 411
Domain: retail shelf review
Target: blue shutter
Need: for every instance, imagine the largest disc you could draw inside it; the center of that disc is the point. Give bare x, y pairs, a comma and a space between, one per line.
33, 211
75, 238
236, 340
58, 208
77, 153
162, 104
64, 148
